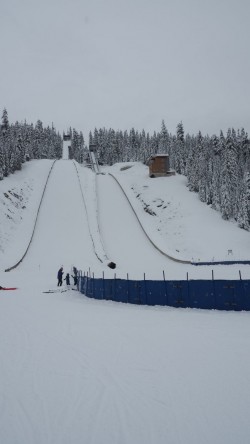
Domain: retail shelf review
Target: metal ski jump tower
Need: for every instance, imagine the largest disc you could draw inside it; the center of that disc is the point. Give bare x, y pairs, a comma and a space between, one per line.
66, 146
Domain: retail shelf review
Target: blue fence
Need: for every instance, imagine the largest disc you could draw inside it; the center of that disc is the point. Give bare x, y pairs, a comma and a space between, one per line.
208, 294
222, 263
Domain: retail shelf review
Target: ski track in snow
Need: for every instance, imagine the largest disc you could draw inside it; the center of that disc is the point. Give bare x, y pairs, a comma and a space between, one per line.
62, 231
123, 237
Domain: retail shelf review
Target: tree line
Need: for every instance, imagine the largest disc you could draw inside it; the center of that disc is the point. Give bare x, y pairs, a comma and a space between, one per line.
217, 167
20, 142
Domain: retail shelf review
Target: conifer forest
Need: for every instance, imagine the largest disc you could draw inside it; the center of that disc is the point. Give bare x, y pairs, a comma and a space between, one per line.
217, 167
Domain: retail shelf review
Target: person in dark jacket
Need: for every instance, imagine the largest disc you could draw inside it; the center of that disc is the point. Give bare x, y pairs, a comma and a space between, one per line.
60, 276
67, 279
75, 277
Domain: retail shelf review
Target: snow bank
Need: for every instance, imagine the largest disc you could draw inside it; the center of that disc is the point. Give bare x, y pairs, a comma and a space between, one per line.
20, 195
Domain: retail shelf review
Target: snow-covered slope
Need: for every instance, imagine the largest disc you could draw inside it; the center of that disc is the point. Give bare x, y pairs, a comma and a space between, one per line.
61, 235
176, 221
20, 196
76, 370
179, 224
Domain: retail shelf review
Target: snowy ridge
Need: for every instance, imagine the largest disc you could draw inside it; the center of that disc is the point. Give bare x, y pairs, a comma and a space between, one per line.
35, 222
172, 258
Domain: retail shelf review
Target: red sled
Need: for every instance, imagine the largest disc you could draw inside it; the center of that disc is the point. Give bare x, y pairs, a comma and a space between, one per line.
8, 288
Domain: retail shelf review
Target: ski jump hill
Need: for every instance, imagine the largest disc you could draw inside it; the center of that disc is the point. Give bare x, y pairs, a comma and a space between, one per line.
90, 218
76, 369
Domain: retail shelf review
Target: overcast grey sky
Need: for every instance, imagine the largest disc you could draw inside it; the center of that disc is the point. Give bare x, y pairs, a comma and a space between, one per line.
127, 63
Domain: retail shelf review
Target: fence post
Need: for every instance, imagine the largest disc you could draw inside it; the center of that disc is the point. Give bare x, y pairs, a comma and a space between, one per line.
114, 296
165, 286
127, 288
90, 285
214, 289
145, 290
244, 295
87, 284
103, 286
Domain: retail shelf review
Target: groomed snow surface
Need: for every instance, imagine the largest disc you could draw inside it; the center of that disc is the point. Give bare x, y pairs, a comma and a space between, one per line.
76, 370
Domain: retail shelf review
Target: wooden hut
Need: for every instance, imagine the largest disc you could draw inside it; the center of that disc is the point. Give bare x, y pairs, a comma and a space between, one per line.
159, 166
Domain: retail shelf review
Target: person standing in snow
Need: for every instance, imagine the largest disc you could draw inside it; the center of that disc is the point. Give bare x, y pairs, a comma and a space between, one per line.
67, 279
60, 276
75, 279
75, 275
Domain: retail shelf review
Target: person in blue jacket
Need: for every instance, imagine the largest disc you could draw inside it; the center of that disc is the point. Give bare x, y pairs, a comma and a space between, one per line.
60, 276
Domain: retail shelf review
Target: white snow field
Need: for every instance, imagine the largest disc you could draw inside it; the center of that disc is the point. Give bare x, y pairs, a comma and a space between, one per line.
77, 370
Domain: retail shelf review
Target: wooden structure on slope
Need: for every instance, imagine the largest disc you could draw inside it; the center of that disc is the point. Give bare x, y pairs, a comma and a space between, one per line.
159, 166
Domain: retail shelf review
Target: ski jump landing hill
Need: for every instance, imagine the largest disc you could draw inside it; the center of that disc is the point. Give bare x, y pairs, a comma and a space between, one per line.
196, 293
83, 219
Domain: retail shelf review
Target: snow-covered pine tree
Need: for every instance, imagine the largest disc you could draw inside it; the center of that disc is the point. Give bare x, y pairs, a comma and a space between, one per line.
172, 151
209, 169
180, 161
126, 149
28, 141
102, 139
81, 147
120, 146
5, 121
242, 144
111, 147
19, 155
134, 144
226, 171
74, 145
194, 167
163, 139
144, 149
154, 143
1, 159
6, 143
229, 173
37, 146
244, 203
216, 173
202, 167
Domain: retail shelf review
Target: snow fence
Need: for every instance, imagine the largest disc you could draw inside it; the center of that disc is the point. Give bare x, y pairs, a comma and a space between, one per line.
205, 294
